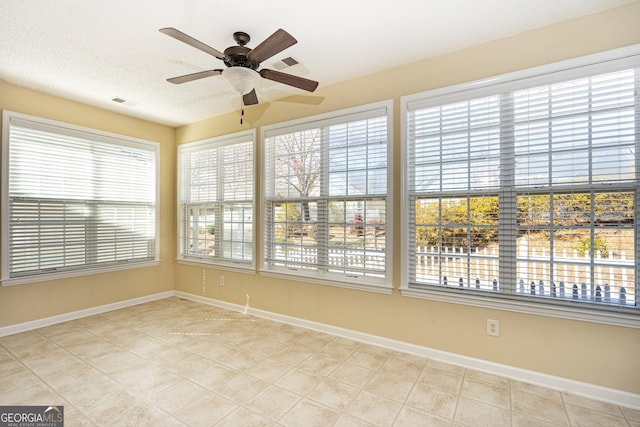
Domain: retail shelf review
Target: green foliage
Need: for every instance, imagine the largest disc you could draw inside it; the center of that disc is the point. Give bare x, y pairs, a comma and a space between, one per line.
614, 206
473, 222
574, 209
288, 220
290, 212
464, 221
599, 244
532, 210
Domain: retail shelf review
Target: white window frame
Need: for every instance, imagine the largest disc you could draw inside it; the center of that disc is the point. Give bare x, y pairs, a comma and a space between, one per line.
628, 57
382, 285
213, 261
91, 136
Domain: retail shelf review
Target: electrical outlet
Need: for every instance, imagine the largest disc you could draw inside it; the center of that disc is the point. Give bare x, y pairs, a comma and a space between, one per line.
493, 328
221, 281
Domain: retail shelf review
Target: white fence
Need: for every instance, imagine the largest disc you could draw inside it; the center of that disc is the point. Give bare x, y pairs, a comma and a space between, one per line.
341, 259
608, 279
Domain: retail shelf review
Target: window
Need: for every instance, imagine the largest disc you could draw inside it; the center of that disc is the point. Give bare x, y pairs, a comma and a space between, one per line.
526, 188
76, 201
325, 197
215, 187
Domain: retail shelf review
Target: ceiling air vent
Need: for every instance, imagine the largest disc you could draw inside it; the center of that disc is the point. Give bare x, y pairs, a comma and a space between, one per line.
290, 61
284, 63
125, 102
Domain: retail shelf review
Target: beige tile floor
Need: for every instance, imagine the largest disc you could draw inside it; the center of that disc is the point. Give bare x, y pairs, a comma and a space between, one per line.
178, 362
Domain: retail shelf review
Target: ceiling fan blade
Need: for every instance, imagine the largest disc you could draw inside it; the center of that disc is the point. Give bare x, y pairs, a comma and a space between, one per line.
289, 79
184, 38
250, 98
194, 76
275, 43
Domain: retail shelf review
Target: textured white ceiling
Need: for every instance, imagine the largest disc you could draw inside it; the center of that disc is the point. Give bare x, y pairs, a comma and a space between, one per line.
95, 50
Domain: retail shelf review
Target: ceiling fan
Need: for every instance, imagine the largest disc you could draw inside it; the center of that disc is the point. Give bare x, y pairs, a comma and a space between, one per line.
242, 63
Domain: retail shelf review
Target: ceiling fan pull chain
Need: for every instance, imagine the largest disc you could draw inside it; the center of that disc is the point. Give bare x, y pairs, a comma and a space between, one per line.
241, 109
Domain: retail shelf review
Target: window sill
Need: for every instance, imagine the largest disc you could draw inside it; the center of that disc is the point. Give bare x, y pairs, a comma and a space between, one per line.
362, 285
231, 266
540, 309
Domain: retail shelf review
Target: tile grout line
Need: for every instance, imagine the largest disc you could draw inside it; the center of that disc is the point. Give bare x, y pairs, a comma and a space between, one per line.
459, 397
153, 321
88, 364
565, 410
42, 380
511, 412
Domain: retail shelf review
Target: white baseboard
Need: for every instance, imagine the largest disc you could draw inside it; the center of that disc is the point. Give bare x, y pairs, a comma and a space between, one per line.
617, 397
48, 321
604, 394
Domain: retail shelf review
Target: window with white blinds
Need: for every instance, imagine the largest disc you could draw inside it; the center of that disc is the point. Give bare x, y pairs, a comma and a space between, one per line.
75, 200
216, 200
527, 188
326, 197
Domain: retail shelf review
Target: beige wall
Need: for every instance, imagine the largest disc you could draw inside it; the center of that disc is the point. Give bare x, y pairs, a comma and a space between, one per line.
21, 303
588, 352
593, 353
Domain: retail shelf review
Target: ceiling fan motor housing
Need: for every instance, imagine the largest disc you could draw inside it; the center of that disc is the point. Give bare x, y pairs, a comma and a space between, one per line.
236, 56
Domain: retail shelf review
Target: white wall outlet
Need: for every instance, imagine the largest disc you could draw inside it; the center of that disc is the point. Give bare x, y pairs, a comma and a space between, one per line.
221, 281
493, 327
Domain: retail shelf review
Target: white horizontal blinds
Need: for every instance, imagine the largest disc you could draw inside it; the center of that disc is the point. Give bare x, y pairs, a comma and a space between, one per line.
237, 234
455, 147
356, 224
576, 132
197, 187
237, 187
46, 235
77, 200
216, 199
326, 196
199, 175
293, 179
575, 145
454, 163
358, 157
52, 162
528, 189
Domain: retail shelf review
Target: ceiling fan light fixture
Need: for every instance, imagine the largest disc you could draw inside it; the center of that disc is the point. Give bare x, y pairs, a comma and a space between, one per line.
242, 80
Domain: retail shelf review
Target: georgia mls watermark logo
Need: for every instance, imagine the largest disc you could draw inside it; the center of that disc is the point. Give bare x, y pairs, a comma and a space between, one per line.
31, 416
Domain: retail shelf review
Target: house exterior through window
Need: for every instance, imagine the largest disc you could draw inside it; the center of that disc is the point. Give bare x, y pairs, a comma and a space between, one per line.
326, 198
525, 188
